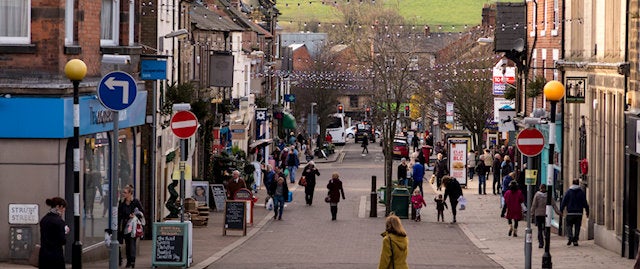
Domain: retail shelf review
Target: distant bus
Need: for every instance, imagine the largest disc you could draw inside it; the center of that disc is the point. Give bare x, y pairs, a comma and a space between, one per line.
336, 127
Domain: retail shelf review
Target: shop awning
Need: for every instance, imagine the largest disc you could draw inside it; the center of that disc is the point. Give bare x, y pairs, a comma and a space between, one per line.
288, 121
260, 143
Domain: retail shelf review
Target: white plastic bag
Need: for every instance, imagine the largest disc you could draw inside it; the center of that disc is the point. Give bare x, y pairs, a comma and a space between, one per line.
463, 202
269, 204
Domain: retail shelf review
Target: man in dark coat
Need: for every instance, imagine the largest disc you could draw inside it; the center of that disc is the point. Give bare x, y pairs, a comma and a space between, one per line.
453, 191
402, 172
365, 143
575, 201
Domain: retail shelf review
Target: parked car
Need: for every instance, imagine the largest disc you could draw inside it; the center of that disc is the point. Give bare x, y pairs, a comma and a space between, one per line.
350, 132
365, 128
400, 148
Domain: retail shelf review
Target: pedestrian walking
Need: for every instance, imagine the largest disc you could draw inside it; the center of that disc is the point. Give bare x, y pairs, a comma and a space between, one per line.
335, 191
53, 235
283, 158
402, 172
440, 206
481, 169
506, 181
417, 201
453, 191
292, 164
129, 211
279, 189
512, 207
365, 143
418, 176
471, 163
539, 212
575, 201
506, 166
415, 142
395, 245
488, 159
234, 184
497, 179
441, 169
309, 173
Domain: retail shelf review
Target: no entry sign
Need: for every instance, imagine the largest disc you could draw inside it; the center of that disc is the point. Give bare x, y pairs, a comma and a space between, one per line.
184, 124
530, 142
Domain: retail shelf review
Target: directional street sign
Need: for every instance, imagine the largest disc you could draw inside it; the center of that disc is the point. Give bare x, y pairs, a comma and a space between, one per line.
184, 124
291, 98
530, 142
117, 90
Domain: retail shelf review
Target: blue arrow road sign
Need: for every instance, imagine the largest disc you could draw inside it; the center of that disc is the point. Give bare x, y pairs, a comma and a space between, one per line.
117, 90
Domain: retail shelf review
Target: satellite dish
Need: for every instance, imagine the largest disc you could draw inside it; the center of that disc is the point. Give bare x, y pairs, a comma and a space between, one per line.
518, 45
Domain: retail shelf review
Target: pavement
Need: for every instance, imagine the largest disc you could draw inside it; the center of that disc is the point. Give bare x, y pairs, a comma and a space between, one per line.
480, 223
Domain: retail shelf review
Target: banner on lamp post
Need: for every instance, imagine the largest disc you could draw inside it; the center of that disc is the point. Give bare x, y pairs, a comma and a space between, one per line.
449, 112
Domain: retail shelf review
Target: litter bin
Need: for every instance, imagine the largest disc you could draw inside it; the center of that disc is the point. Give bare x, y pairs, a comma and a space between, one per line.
382, 191
400, 199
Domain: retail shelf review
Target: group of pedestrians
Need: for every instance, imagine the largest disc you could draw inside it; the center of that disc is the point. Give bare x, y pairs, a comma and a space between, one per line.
277, 189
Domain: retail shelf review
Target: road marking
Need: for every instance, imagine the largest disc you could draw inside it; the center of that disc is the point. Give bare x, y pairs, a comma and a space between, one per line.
362, 209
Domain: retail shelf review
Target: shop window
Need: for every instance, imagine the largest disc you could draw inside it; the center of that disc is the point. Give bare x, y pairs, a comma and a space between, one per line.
96, 174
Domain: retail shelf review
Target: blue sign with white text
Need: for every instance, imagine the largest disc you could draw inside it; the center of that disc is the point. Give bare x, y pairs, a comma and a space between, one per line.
117, 90
153, 69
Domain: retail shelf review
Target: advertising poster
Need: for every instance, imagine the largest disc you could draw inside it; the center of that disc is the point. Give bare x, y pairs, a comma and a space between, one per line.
458, 159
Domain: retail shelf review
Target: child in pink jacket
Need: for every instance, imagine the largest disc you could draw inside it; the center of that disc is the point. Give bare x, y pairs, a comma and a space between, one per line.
417, 201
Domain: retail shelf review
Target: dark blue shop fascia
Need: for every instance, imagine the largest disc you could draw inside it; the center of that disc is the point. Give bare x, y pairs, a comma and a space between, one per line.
52, 117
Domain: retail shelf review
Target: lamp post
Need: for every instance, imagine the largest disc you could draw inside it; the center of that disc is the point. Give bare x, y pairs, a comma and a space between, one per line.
554, 92
76, 70
312, 129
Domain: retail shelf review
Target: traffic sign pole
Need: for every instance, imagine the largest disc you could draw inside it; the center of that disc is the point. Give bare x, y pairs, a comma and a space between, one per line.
116, 91
530, 142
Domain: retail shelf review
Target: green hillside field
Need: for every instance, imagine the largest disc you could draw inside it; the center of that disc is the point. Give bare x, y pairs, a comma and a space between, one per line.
451, 15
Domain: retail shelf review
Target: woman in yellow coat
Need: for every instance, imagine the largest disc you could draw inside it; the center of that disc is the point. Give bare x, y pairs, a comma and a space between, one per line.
395, 245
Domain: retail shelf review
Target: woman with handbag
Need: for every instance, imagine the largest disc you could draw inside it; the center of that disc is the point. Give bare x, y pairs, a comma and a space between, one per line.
309, 175
395, 245
53, 235
333, 198
129, 209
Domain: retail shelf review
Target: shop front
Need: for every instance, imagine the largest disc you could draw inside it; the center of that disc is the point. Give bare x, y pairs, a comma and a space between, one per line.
37, 160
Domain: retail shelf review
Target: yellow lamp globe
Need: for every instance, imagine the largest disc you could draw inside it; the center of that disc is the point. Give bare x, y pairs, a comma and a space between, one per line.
75, 69
554, 90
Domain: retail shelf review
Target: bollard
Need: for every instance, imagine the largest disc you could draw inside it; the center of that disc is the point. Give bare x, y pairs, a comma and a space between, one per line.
373, 211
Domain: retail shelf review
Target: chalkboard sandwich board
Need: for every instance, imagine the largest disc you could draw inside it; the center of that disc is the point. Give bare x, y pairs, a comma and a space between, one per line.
234, 216
219, 196
169, 244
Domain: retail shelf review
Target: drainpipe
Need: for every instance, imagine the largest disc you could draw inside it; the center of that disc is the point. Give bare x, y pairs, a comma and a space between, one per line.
627, 230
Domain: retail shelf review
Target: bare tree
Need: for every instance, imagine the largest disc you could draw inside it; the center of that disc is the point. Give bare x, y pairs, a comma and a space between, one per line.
384, 52
465, 80
315, 85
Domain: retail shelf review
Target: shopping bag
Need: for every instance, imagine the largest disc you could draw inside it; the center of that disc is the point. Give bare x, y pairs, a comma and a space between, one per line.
290, 197
432, 179
269, 204
139, 230
524, 208
302, 181
463, 202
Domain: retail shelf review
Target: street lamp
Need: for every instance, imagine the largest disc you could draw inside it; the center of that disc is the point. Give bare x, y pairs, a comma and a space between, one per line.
312, 130
76, 70
553, 91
